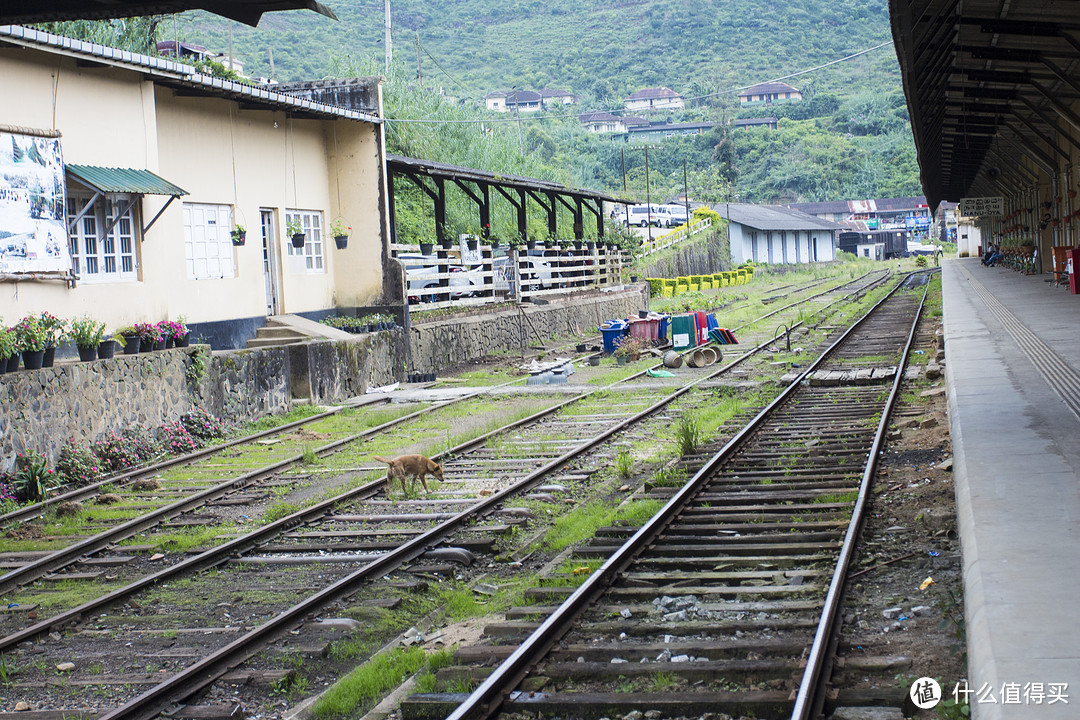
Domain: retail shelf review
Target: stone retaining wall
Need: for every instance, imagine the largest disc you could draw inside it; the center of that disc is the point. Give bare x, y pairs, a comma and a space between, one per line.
41, 409
703, 256
447, 343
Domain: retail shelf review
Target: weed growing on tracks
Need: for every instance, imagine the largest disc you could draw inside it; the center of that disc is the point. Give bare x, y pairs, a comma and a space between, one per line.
624, 463
8, 670
687, 434
669, 477
369, 682
309, 457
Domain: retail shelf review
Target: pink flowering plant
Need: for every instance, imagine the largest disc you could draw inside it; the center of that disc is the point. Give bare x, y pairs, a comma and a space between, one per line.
173, 329
202, 425
77, 464
8, 501
30, 336
125, 449
56, 329
149, 332
176, 438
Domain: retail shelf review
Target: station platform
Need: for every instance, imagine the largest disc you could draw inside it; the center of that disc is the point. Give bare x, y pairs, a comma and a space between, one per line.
1012, 353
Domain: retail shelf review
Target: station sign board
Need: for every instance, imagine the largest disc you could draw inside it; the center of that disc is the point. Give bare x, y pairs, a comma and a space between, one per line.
982, 207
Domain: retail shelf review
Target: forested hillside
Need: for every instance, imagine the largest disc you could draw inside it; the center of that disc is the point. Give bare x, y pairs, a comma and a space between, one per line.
848, 138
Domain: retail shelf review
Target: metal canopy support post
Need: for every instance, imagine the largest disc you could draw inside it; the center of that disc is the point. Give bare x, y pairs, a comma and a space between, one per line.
153, 219
86, 208
483, 201
519, 205
579, 220
121, 213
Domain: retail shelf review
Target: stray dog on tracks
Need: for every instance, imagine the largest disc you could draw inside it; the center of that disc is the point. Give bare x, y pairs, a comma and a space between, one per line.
418, 466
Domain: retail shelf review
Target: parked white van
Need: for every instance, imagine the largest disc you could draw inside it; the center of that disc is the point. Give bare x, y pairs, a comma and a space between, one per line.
644, 215
672, 215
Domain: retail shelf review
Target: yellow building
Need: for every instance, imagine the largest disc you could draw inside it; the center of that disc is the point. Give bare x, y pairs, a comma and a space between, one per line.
154, 165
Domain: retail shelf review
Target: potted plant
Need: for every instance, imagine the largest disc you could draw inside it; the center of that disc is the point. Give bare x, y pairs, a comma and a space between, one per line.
30, 337
426, 248
296, 231
128, 337
494, 242
629, 349
149, 336
239, 234
107, 347
446, 242
340, 231
7, 348
181, 333
56, 333
87, 334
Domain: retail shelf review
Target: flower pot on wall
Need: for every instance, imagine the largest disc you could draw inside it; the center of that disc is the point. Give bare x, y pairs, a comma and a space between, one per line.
341, 241
183, 340
298, 240
86, 354
48, 357
106, 349
32, 359
131, 344
13, 363
427, 248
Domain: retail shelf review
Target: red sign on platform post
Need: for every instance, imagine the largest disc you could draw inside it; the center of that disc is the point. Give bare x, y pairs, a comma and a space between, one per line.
1073, 266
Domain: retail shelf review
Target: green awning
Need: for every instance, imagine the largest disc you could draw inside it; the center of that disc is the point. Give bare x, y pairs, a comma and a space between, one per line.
124, 180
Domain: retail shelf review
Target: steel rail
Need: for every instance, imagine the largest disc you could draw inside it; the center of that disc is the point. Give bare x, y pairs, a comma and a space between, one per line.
95, 543
486, 700
199, 675
65, 556
809, 699
218, 554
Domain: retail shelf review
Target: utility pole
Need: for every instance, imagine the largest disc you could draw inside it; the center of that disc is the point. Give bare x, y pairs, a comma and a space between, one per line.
648, 199
419, 75
626, 207
389, 48
686, 194
517, 113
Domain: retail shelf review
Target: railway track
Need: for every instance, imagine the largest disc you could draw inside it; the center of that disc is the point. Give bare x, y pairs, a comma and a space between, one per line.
307, 561
725, 601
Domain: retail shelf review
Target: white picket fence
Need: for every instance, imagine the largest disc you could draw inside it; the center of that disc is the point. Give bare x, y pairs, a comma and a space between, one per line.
663, 242
460, 277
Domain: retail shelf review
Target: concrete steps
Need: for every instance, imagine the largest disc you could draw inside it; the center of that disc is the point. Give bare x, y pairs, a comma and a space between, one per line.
276, 333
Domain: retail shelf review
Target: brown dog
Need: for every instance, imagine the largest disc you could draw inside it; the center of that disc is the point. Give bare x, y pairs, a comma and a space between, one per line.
418, 466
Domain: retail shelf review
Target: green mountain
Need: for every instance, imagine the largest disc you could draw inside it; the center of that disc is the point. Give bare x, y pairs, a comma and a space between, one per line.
848, 138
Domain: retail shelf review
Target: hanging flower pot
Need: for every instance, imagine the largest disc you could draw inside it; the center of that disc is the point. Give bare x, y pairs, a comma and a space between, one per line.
298, 240
239, 237
341, 241
530, 244
473, 243
447, 243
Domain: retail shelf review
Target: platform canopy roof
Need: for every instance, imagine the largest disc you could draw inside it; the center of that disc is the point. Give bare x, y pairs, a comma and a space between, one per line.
21, 12
988, 83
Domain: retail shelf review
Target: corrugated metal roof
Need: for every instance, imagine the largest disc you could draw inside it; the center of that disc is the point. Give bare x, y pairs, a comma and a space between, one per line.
761, 217
124, 180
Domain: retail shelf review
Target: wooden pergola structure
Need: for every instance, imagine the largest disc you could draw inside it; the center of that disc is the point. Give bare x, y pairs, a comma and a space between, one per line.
432, 178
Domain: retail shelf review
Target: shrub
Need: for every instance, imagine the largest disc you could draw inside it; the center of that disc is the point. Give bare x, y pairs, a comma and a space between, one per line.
176, 439
920, 261
125, 449
202, 425
33, 477
77, 464
8, 501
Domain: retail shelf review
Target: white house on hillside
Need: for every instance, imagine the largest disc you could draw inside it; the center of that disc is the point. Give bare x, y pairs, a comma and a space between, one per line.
510, 100
602, 122
769, 93
661, 98
550, 97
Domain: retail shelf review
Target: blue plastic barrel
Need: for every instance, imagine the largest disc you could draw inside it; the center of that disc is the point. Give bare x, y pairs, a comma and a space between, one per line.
612, 330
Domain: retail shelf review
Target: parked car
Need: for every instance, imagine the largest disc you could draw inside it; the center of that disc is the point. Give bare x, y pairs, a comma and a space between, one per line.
672, 215
644, 215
